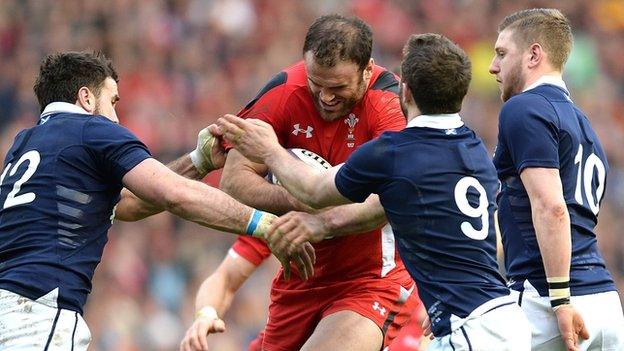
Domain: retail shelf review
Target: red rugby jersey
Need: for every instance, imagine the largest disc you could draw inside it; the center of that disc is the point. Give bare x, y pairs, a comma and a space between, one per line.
286, 103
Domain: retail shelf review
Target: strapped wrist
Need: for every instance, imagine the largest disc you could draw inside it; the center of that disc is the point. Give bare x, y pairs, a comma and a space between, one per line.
207, 312
259, 223
199, 161
558, 291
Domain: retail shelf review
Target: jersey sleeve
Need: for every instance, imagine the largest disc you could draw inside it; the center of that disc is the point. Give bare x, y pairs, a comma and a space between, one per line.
529, 130
115, 147
252, 249
365, 171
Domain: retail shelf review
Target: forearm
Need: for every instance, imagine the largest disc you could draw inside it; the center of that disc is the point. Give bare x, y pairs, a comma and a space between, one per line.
210, 207
132, 208
243, 180
300, 181
219, 288
552, 229
215, 292
354, 218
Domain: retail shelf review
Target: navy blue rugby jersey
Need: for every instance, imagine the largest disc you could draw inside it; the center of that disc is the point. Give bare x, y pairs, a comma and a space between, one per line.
60, 182
437, 187
542, 127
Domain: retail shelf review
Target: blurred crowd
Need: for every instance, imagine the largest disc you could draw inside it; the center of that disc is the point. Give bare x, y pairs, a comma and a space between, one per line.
184, 63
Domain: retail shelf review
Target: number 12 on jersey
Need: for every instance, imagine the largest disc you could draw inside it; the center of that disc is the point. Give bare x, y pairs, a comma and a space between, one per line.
13, 198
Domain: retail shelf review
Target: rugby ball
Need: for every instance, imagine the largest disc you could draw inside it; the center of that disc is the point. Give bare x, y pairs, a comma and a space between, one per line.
308, 157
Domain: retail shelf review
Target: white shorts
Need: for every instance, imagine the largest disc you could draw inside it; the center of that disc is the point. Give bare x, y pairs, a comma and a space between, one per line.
27, 324
602, 314
488, 328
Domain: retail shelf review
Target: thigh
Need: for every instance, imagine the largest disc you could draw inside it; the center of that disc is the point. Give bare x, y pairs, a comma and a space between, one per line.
290, 323
345, 331
387, 304
602, 314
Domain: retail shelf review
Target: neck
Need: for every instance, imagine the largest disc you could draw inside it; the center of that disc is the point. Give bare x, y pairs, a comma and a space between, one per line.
412, 112
539, 73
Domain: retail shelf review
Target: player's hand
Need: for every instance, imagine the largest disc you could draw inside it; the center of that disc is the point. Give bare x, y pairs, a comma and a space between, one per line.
289, 232
196, 338
209, 153
426, 327
304, 259
571, 326
253, 138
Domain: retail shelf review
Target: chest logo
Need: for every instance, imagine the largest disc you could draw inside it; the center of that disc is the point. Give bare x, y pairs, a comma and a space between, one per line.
378, 308
351, 121
308, 131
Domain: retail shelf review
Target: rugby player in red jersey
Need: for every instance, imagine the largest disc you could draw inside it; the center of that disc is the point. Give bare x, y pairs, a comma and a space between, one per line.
330, 103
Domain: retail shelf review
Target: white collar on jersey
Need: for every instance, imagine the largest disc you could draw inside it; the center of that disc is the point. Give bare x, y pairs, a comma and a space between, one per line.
57, 107
441, 121
547, 79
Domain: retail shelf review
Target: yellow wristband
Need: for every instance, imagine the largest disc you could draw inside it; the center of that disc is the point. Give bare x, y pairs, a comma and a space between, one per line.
207, 312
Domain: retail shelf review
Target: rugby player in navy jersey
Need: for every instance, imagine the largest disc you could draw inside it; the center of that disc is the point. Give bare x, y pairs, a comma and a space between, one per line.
437, 185
553, 174
60, 184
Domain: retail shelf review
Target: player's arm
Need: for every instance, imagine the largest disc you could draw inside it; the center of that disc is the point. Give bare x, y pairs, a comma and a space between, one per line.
550, 219
244, 180
209, 155
195, 201
295, 228
214, 298
257, 141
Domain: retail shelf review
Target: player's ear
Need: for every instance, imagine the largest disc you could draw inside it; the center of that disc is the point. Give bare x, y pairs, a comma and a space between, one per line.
406, 94
536, 53
86, 99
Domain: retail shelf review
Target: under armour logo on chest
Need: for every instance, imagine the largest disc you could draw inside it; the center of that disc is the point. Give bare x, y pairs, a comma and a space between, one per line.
308, 131
377, 307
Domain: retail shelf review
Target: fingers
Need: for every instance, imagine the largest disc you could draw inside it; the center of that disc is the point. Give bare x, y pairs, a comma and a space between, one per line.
218, 327
311, 252
231, 132
301, 267
215, 130
305, 262
426, 327
286, 266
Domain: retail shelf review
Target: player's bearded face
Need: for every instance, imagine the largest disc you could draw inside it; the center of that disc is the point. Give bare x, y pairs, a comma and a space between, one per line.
336, 90
507, 66
107, 99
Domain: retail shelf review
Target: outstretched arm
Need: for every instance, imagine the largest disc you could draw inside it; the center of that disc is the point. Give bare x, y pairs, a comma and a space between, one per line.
209, 155
256, 140
294, 229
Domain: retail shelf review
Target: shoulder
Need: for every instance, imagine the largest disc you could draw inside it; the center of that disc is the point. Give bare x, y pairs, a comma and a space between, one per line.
526, 105
283, 83
384, 80
100, 132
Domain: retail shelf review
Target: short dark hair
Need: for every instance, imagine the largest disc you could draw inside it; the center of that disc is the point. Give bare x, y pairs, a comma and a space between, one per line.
437, 71
548, 27
333, 37
62, 74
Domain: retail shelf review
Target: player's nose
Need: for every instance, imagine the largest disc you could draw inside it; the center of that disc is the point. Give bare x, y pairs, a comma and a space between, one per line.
326, 95
494, 67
